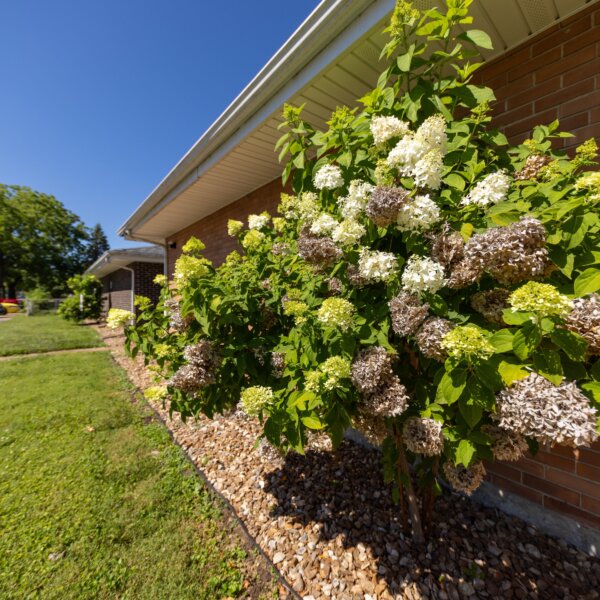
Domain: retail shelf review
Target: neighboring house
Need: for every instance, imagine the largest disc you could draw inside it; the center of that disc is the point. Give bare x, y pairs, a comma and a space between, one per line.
545, 66
128, 272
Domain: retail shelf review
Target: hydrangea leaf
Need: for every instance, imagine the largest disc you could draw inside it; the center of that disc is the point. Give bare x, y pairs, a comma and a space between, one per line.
587, 282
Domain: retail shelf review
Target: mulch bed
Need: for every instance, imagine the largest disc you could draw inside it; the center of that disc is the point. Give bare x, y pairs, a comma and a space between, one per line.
327, 522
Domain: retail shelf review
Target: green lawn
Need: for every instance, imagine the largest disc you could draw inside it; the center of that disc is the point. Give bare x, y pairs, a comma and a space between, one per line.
95, 499
43, 333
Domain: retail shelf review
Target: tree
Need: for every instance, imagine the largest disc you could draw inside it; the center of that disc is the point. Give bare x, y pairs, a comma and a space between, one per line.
41, 242
97, 245
427, 283
86, 301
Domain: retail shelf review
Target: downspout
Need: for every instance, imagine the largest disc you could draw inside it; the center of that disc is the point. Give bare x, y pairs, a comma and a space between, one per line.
137, 238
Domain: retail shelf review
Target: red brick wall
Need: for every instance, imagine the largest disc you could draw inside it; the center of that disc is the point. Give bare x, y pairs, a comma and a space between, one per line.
144, 279
555, 75
212, 230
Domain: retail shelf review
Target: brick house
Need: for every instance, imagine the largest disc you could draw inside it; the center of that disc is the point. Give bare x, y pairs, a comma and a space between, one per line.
126, 273
545, 65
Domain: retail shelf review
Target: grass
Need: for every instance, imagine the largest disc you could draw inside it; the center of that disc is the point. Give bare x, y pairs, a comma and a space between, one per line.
43, 333
95, 499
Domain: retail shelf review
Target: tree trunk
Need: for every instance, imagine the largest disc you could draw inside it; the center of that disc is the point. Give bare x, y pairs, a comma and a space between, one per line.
413, 504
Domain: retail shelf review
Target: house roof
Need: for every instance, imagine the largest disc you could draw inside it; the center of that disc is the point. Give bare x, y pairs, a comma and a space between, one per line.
331, 59
112, 260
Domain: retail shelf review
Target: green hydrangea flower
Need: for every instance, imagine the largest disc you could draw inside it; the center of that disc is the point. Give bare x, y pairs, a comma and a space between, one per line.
117, 317
193, 246
253, 239
188, 268
542, 299
467, 342
142, 302
155, 393
336, 312
296, 309
161, 280
255, 399
234, 228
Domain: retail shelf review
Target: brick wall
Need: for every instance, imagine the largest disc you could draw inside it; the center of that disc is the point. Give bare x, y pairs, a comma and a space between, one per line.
117, 290
555, 75
144, 279
212, 230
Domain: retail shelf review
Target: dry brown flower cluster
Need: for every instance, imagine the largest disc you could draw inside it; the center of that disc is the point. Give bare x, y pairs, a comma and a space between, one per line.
407, 313
584, 319
491, 303
423, 436
447, 247
280, 248
277, 364
535, 407
464, 479
354, 276
429, 337
373, 428
202, 363
506, 445
334, 286
384, 205
383, 393
532, 167
176, 320
509, 254
317, 250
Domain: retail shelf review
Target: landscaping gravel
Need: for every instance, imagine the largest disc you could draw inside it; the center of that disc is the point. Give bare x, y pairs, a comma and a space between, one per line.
327, 522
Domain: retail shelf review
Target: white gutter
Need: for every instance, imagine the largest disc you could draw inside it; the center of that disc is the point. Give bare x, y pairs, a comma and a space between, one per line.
328, 31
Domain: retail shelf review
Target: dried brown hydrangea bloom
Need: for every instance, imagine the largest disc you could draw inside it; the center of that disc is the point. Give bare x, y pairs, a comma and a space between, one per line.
317, 250
423, 436
384, 204
464, 479
491, 303
464, 274
382, 392
510, 254
407, 313
277, 364
176, 320
584, 319
506, 445
535, 407
203, 361
334, 286
532, 167
447, 247
279, 248
370, 369
354, 276
373, 428
390, 399
429, 337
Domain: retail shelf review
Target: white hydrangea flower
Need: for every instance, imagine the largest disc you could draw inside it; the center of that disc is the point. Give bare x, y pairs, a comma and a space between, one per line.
418, 215
385, 128
257, 221
422, 274
433, 131
376, 266
407, 152
490, 190
324, 224
328, 177
352, 205
427, 172
348, 232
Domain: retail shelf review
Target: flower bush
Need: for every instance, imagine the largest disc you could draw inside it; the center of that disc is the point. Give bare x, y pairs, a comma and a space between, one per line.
429, 284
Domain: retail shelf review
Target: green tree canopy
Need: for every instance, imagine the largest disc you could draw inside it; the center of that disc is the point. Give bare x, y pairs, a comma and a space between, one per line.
98, 245
41, 242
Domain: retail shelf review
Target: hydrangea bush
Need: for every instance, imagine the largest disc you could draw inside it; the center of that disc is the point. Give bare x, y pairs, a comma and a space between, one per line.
426, 282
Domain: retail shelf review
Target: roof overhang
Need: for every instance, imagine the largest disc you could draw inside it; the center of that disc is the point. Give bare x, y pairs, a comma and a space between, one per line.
331, 59
113, 260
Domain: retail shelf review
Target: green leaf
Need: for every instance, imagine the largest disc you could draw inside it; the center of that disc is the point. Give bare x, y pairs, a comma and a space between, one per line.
515, 318
465, 452
547, 363
526, 340
312, 422
511, 372
502, 340
452, 385
587, 282
477, 37
470, 410
455, 181
572, 343
487, 373
593, 390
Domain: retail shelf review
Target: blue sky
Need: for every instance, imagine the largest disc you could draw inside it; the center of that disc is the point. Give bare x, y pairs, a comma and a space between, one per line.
99, 99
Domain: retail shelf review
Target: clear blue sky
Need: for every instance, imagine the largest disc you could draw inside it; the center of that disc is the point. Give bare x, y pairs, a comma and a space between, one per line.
99, 99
